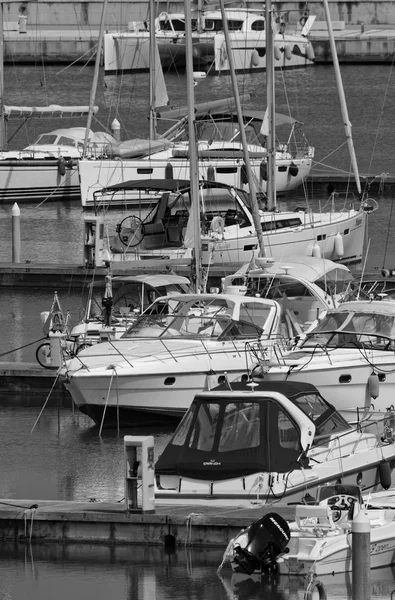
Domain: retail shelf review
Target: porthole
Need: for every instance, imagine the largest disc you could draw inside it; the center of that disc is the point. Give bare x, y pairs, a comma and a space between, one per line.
382, 376
345, 378
170, 380
359, 478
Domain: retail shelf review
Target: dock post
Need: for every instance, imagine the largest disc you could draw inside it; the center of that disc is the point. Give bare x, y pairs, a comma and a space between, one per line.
360, 531
16, 234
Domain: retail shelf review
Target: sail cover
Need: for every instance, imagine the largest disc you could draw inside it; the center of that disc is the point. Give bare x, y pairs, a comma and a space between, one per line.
223, 437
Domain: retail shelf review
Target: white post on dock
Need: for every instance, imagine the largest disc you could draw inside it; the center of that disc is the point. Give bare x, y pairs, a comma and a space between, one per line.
360, 531
16, 234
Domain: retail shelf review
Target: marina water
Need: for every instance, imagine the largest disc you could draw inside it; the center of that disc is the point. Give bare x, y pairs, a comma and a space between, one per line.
61, 456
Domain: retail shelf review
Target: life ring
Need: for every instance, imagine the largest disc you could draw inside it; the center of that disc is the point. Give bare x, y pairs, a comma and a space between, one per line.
315, 585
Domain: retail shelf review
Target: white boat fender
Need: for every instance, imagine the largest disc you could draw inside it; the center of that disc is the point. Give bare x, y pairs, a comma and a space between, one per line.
277, 53
310, 52
385, 273
61, 166
315, 585
288, 51
374, 385
254, 58
385, 474
217, 225
339, 245
316, 251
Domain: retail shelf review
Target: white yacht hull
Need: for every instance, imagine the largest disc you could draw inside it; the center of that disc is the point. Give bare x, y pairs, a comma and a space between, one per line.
36, 180
333, 553
238, 245
98, 174
343, 380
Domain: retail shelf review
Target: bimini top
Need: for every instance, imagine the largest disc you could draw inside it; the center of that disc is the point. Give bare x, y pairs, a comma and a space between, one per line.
237, 430
159, 185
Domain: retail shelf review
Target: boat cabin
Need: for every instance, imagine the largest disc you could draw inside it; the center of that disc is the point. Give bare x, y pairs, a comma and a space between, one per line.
242, 428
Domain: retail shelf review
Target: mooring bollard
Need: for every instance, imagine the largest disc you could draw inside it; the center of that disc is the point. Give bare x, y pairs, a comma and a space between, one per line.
16, 234
360, 530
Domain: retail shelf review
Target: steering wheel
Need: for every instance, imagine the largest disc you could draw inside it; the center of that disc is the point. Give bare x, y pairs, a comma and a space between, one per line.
131, 231
340, 503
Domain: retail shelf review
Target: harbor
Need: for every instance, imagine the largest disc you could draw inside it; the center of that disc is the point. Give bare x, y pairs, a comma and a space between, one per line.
225, 433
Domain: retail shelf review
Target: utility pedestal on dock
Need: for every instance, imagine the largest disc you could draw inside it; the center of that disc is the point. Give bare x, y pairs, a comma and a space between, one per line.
139, 461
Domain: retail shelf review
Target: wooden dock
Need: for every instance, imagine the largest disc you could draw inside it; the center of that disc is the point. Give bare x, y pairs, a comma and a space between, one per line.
110, 522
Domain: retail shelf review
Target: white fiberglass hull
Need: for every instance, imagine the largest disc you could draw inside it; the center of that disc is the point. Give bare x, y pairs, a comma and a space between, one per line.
160, 383
342, 377
98, 174
332, 553
238, 245
36, 180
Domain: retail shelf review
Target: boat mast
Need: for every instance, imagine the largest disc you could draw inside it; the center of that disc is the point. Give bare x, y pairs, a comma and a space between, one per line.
270, 110
152, 72
95, 78
2, 122
343, 105
255, 209
193, 157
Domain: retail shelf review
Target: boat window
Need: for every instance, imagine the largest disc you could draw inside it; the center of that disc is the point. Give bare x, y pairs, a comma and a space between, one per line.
46, 138
217, 202
171, 25
334, 423
254, 312
223, 131
203, 431
183, 428
275, 224
258, 25
312, 405
274, 288
353, 330
288, 434
240, 428
66, 141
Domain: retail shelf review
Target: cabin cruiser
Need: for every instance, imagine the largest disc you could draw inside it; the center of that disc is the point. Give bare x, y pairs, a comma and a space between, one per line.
163, 227
257, 442
348, 356
247, 36
219, 149
181, 344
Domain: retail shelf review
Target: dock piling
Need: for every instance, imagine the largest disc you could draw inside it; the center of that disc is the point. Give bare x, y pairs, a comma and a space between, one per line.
16, 234
360, 531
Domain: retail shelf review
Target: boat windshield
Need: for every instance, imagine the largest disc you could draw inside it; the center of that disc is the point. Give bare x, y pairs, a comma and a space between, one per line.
353, 330
47, 139
326, 419
215, 319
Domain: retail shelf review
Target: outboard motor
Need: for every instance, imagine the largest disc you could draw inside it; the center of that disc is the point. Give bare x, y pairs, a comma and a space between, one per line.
266, 539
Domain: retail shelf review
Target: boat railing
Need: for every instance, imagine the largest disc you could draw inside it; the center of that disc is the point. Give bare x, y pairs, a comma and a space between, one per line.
377, 427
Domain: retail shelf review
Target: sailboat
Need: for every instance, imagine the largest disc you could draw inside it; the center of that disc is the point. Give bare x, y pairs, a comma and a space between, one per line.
46, 169
231, 221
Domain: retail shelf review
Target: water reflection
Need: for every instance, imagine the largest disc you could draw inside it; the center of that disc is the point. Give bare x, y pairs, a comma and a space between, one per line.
100, 572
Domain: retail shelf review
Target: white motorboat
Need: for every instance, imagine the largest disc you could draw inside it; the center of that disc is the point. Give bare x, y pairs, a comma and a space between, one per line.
319, 541
180, 345
252, 443
112, 308
248, 42
219, 148
348, 356
321, 538
163, 227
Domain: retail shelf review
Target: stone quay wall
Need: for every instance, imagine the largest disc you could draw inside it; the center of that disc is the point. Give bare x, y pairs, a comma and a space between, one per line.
66, 14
